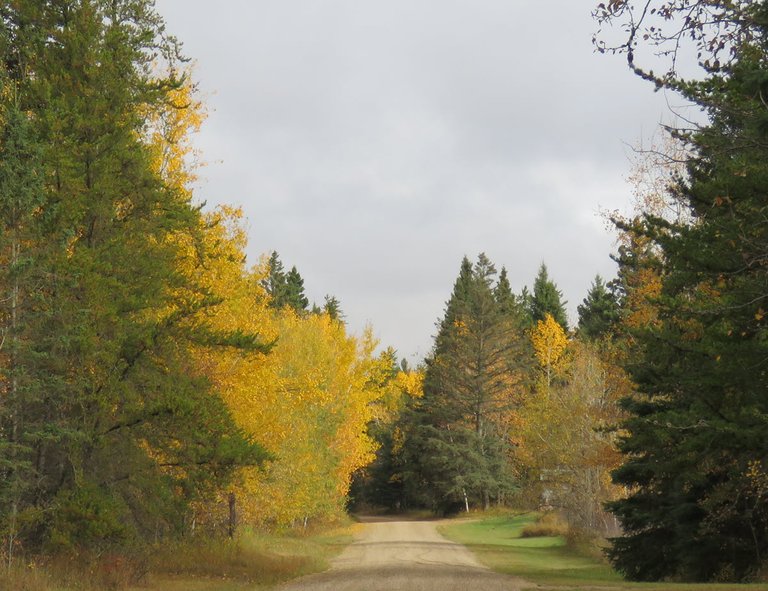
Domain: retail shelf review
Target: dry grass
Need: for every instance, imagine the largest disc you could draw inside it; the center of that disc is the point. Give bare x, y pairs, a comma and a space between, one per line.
74, 573
239, 560
547, 525
251, 561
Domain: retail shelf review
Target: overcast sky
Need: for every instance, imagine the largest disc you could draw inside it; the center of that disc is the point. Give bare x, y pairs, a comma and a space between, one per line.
374, 144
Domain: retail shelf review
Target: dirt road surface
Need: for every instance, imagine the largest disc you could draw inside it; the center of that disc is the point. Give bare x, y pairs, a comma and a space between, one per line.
405, 555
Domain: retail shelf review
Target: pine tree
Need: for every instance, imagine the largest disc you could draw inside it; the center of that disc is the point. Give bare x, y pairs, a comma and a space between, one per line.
284, 289
599, 311
462, 289
547, 299
525, 303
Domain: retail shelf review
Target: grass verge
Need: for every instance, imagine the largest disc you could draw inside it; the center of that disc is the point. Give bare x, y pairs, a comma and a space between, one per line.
497, 543
253, 561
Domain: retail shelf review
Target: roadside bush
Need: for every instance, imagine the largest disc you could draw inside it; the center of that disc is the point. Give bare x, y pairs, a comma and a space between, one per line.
549, 524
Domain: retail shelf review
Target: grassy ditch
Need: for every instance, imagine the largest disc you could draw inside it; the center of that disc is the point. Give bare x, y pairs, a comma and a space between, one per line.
547, 560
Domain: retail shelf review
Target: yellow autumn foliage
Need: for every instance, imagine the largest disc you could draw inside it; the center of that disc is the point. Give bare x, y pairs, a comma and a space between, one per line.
564, 435
308, 401
549, 345
319, 399
168, 132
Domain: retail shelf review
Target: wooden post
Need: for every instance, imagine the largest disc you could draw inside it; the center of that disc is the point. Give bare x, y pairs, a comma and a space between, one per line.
232, 515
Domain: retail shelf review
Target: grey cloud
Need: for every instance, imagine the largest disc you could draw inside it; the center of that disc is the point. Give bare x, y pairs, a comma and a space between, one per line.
374, 144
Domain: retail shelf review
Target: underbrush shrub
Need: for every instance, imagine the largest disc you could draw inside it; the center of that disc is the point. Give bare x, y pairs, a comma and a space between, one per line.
87, 517
549, 524
587, 543
115, 570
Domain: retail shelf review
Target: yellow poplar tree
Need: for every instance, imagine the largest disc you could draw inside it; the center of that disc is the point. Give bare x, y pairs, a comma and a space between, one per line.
318, 381
309, 401
549, 345
168, 132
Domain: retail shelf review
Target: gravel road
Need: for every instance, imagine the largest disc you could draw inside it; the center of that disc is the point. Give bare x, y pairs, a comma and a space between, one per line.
405, 555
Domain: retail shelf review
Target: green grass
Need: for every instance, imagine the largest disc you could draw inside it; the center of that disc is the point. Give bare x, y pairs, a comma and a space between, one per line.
497, 543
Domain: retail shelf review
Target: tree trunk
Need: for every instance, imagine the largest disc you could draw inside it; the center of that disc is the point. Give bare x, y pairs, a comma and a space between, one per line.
232, 515
14, 406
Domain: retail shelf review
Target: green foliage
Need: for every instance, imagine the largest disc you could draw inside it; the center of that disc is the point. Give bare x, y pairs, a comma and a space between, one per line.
332, 307
509, 304
284, 289
294, 291
599, 311
87, 516
547, 299
695, 444
457, 436
276, 282
109, 432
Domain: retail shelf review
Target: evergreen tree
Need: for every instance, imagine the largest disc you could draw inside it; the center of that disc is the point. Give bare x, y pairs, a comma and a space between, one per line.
294, 291
525, 303
696, 460
458, 433
332, 307
276, 281
462, 289
284, 289
21, 194
503, 294
132, 432
547, 299
599, 311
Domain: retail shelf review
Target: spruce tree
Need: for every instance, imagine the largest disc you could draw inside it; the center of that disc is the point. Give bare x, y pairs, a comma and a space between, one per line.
525, 303
695, 445
503, 294
284, 289
460, 295
332, 307
276, 281
294, 291
547, 299
599, 311
458, 439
